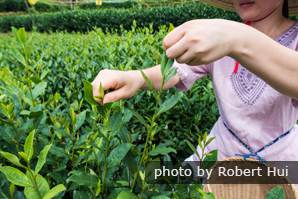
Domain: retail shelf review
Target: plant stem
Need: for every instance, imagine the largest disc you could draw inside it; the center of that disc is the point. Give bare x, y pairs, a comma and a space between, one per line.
145, 150
33, 180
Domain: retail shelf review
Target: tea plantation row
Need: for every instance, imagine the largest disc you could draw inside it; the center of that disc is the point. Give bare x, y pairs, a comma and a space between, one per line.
94, 151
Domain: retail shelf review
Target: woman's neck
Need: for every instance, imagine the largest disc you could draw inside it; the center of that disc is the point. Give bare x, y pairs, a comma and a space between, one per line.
274, 24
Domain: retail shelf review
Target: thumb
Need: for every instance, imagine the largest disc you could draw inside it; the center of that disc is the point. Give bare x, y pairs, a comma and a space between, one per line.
116, 95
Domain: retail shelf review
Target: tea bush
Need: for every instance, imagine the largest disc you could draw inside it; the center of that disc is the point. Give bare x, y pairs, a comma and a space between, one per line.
114, 19
92, 151
19, 5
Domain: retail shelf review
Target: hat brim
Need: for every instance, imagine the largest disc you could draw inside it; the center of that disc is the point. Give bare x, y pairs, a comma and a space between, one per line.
228, 5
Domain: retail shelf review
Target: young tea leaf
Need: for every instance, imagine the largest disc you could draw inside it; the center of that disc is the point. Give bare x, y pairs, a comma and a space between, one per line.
15, 176
28, 147
88, 93
101, 93
42, 158
11, 158
54, 191
149, 83
166, 68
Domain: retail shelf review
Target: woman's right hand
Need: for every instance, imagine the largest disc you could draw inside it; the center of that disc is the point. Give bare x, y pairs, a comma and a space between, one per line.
122, 84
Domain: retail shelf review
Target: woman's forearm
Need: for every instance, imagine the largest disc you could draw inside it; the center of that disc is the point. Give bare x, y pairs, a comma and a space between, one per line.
274, 63
154, 74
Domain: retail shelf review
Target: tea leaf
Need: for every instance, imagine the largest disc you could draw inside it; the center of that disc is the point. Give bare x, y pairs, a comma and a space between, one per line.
42, 158
42, 185
209, 159
162, 150
166, 68
39, 89
169, 103
15, 176
149, 83
83, 179
54, 191
28, 147
276, 193
126, 195
88, 93
80, 119
117, 154
11, 158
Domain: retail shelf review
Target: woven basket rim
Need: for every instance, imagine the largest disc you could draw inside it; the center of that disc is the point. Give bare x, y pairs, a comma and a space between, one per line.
292, 188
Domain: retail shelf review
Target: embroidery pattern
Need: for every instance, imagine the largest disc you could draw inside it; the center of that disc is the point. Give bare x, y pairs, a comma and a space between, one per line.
248, 86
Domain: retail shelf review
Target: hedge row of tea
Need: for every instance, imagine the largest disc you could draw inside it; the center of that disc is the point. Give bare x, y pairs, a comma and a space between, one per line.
19, 5
86, 20
94, 151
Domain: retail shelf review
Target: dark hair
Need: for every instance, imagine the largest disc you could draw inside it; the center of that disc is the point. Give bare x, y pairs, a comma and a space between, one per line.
285, 9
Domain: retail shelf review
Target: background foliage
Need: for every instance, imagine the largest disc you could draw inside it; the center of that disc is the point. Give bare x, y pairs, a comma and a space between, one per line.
113, 19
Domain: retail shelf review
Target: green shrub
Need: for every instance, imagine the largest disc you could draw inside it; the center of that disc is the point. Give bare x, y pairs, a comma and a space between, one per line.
123, 4
113, 19
12, 5
19, 5
93, 149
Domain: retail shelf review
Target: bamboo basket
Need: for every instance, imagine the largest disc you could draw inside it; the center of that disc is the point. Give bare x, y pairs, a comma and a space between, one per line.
246, 191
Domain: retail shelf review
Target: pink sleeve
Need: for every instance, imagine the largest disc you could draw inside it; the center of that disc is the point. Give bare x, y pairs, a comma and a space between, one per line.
189, 74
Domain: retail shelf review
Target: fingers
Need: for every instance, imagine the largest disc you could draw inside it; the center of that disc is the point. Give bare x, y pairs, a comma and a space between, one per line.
178, 49
105, 79
173, 37
116, 95
185, 58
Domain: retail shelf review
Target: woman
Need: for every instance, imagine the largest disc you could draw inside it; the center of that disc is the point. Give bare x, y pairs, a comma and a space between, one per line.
257, 95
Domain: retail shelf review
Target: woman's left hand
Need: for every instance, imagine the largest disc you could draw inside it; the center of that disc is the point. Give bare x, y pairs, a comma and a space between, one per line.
203, 41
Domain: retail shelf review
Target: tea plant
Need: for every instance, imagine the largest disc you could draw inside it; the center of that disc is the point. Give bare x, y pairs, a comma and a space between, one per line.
35, 186
96, 151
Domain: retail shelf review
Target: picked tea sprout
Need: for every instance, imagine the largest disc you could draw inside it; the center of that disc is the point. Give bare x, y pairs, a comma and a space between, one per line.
167, 70
101, 93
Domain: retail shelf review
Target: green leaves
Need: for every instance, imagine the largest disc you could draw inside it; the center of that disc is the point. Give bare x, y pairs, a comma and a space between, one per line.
166, 68
169, 103
28, 147
162, 150
82, 178
101, 93
88, 93
15, 176
117, 154
42, 188
80, 119
11, 158
126, 195
276, 193
42, 158
54, 191
39, 89
20, 34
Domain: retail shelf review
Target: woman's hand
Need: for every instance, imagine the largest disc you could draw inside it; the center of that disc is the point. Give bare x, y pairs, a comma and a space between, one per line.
202, 41
123, 84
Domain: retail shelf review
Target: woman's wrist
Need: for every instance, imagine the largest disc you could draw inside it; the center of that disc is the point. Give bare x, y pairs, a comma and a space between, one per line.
136, 75
240, 41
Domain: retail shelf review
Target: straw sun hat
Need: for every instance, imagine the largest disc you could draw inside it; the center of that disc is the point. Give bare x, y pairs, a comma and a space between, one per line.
228, 5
